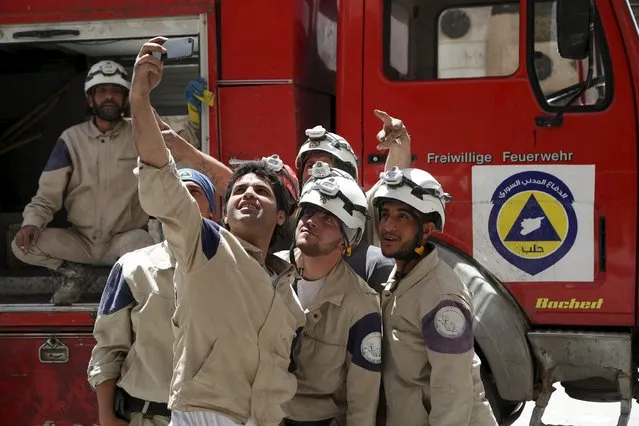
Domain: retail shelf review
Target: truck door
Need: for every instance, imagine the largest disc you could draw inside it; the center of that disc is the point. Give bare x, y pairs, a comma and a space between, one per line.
46, 349
539, 206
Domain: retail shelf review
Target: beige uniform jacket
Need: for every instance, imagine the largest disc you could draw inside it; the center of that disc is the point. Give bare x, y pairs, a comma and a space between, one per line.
91, 173
337, 356
233, 326
133, 327
430, 374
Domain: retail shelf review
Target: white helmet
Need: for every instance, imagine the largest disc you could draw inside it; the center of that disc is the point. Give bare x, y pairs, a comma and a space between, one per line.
107, 72
415, 187
338, 193
319, 140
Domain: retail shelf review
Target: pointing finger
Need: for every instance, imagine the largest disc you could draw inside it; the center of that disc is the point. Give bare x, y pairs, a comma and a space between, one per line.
383, 116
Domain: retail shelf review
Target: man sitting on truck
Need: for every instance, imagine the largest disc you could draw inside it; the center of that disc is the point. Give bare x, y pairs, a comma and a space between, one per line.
133, 333
90, 173
236, 314
430, 370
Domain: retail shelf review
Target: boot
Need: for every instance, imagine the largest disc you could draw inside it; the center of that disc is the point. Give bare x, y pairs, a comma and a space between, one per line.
76, 278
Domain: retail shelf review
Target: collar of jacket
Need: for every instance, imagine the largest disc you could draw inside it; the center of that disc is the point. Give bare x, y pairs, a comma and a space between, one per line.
335, 284
252, 250
273, 262
281, 267
424, 267
95, 133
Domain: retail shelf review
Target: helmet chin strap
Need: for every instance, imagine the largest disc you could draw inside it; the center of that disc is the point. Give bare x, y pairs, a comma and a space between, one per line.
291, 251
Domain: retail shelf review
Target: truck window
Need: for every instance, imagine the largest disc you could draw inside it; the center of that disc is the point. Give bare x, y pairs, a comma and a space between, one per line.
42, 83
439, 40
556, 80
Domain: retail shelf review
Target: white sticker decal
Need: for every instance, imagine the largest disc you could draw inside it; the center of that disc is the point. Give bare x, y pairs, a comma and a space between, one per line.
450, 322
371, 347
535, 222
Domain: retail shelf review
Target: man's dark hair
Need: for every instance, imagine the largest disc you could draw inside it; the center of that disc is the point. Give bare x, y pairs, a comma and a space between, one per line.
260, 168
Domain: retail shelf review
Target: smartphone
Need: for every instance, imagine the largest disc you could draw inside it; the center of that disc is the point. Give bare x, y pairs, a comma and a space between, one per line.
177, 48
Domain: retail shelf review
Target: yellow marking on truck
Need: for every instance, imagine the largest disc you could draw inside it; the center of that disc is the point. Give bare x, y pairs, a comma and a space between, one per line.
546, 303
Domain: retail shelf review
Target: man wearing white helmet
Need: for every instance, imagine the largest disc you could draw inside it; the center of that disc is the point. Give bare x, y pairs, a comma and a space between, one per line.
430, 370
321, 145
90, 173
337, 355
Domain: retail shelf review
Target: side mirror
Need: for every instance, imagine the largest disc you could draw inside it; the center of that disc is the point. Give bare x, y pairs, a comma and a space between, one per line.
574, 19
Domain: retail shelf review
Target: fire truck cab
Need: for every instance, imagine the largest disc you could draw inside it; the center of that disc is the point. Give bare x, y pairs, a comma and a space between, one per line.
525, 110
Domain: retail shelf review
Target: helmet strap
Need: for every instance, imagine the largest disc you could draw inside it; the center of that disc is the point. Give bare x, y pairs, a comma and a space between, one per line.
349, 249
291, 257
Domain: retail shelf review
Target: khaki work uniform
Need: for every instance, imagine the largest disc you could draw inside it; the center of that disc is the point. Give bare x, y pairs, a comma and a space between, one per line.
337, 357
234, 325
133, 333
430, 371
91, 174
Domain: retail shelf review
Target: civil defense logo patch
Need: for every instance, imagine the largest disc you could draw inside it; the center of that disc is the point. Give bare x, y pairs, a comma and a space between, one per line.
532, 223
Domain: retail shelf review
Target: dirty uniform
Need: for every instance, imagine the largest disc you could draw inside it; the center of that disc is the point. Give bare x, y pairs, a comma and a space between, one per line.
234, 322
134, 338
337, 356
91, 174
430, 371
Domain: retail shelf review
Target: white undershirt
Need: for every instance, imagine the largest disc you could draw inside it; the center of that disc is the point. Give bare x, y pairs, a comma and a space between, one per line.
307, 291
202, 418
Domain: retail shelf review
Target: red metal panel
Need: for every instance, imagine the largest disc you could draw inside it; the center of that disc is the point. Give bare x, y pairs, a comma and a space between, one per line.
257, 39
35, 11
34, 392
46, 319
257, 121
607, 139
628, 31
349, 94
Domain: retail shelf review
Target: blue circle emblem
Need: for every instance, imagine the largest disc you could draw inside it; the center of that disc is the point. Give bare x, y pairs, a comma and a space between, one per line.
532, 223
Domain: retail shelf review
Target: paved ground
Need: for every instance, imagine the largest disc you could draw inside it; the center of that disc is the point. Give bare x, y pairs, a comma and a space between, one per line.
563, 410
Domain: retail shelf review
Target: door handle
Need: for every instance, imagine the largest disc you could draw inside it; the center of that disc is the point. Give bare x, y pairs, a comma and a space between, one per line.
53, 351
602, 244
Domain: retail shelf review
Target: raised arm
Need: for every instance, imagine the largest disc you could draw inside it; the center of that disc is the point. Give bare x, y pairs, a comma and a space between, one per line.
192, 239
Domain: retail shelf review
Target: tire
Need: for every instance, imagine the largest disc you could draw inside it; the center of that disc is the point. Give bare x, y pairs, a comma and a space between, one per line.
506, 412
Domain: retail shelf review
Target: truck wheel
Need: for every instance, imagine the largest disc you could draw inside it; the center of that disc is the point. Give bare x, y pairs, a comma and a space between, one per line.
506, 412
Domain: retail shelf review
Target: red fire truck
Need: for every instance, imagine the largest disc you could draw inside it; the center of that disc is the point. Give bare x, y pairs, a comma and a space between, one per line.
527, 112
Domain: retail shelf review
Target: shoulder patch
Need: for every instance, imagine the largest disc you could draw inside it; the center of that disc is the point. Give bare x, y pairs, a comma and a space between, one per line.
448, 328
365, 342
59, 158
210, 237
117, 294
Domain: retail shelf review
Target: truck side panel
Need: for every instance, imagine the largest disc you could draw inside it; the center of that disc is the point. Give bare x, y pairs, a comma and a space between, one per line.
43, 379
